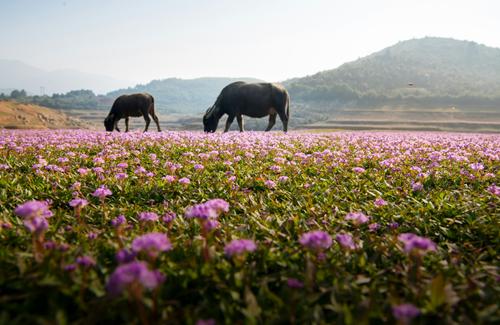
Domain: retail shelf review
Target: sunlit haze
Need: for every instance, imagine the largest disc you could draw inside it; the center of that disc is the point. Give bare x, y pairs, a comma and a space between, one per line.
138, 41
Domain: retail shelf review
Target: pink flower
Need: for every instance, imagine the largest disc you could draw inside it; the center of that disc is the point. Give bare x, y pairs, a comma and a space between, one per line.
493, 189
184, 181
357, 217
270, 184
101, 192
239, 246
169, 178
152, 244
346, 241
416, 187
358, 170
413, 242
379, 202
78, 203
316, 240
148, 217
133, 273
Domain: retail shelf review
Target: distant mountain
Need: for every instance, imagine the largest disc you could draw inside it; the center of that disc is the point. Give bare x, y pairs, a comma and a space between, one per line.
18, 75
423, 72
183, 95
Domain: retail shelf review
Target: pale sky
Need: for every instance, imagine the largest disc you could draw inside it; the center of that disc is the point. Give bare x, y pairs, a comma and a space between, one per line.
273, 40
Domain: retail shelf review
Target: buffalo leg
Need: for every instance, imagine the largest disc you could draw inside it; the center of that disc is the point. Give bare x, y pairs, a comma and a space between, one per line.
239, 119
272, 120
126, 124
284, 120
229, 120
155, 118
148, 120
116, 126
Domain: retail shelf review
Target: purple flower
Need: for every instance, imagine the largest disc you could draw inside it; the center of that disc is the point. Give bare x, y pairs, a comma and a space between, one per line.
316, 240
379, 202
346, 241
33, 209
294, 283
393, 225
69, 267
85, 261
209, 209
476, 166
148, 217
414, 242
76, 186
92, 235
184, 181
205, 322
358, 170
121, 176
373, 226
416, 187
133, 273
210, 224
125, 256
493, 189
169, 178
169, 217
122, 165
36, 225
239, 246
78, 203
198, 167
283, 179
50, 245
83, 171
118, 221
405, 312
152, 243
101, 192
270, 184
357, 217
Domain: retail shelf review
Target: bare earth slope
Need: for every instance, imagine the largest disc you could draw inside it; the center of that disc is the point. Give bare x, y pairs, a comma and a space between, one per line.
14, 115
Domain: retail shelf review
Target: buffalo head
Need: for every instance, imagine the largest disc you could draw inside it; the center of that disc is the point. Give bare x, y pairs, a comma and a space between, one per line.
109, 123
210, 122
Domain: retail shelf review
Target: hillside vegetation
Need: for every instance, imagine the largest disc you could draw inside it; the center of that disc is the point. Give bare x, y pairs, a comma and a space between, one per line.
424, 72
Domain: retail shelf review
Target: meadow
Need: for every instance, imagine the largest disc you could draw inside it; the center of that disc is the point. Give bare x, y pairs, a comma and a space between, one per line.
193, 228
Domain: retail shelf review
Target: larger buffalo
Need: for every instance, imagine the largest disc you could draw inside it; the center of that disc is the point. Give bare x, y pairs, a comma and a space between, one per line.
131, 105
250, 99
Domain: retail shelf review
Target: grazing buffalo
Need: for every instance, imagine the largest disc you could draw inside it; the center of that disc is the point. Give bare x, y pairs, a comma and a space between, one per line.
131, 105
250, 99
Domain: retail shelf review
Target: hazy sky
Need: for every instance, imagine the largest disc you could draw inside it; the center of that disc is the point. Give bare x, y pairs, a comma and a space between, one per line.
268, 39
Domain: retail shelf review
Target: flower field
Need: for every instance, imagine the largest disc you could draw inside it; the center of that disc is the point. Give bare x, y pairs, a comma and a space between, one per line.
186, 227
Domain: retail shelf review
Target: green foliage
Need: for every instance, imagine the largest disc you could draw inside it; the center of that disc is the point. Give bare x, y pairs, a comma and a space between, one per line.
421, 72
457, 208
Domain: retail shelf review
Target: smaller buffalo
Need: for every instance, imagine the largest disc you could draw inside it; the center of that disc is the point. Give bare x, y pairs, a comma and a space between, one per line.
250, 99
131, 105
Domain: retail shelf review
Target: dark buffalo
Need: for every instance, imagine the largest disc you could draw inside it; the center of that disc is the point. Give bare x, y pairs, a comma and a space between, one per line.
250, 99
131, 105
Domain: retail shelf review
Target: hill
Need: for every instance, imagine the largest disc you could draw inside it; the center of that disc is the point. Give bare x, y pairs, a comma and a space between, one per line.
18, 75
427, 72
14, 115
186, 96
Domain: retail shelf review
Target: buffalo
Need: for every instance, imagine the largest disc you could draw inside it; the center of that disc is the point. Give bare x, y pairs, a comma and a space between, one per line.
250, 99
131, 105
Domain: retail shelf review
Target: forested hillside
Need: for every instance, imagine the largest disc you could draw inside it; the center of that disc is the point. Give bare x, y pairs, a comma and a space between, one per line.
420, 72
